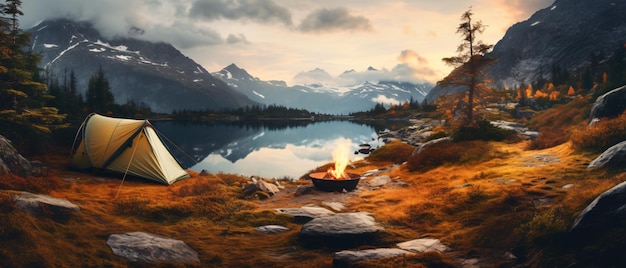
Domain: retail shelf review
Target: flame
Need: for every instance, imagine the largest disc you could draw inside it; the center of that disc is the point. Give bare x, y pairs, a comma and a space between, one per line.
341, 156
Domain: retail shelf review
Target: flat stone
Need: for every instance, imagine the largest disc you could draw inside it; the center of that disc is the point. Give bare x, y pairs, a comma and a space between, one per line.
347, 257
33, 204
140, 246
356, 223
306, 213
272, 229
423, 245
336, 206
379, 181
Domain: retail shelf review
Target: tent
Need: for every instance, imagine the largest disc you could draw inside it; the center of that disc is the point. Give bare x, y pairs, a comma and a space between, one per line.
126, 146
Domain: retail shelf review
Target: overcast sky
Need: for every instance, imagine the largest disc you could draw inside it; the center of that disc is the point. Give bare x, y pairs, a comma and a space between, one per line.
277, 39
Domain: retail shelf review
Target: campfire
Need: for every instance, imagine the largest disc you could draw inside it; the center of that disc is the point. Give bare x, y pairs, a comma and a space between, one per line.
336, 179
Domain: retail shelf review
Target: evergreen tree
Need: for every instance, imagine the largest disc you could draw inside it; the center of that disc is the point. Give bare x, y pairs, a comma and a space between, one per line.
99, 96
23, 99
469, 63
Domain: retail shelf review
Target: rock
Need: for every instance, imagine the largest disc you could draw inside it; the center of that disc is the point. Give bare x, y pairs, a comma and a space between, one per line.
611, 104
35, 204
612, 157
205, 172
306, 213
260, 185
272, 229
608, 209
140, 246
517, 127
336, 206
347, 257
302, 190
379, 181
423, 245
342, 224
420, 148
11, 161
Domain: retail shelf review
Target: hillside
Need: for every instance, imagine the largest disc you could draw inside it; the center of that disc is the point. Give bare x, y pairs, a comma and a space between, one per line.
502, 205
154, 75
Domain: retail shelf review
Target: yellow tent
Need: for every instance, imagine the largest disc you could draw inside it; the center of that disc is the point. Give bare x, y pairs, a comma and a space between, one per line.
126, 146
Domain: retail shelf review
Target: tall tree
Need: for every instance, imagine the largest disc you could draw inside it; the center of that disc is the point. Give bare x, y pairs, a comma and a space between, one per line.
23, 99
469, 63
99, 96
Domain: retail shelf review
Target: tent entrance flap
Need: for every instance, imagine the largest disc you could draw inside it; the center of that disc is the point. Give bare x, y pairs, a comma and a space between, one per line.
109, 143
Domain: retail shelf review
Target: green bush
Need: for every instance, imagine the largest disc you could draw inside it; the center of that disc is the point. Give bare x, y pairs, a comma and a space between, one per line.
484, 131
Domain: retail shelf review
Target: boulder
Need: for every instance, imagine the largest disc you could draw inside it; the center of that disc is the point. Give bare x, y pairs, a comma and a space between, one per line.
423, 245
345, 258
260, 185
306, 213
610, 104
272, 229
11, 161
607, 210
615, 156
140, 246
35, 204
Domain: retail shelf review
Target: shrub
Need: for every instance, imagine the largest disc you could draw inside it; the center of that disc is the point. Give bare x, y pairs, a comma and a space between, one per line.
602, 135
450, 153
484, 130
548, 137
395, 151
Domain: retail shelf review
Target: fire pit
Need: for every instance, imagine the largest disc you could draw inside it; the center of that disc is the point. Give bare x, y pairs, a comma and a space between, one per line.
327, 182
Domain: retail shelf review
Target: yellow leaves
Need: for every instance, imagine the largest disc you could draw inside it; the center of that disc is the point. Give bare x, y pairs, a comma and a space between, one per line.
571, 91
539, 94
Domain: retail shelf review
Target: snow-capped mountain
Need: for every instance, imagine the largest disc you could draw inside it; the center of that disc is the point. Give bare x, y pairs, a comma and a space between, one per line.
156, 75
318, 96
563, 35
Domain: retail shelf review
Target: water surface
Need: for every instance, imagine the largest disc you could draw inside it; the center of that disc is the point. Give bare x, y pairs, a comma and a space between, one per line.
268, 149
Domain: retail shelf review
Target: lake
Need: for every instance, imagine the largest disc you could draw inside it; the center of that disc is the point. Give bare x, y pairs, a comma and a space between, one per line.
269, 149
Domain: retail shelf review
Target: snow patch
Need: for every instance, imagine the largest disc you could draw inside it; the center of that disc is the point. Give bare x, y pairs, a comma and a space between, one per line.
553, 7
258, 94
121, 48
123, 57
97, 50
535, 23
50, 45
197, 80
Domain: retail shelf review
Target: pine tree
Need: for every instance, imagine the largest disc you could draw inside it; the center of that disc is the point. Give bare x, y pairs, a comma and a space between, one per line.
469, 63
23, 99
99, 96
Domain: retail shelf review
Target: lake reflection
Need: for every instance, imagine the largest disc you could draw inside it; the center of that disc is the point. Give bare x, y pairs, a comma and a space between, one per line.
268, 149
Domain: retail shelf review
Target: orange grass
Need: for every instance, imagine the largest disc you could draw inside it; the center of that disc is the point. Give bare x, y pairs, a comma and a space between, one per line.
480, 208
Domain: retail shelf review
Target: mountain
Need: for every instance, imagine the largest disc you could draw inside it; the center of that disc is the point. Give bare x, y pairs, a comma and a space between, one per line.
563, 35
317, 96
156, 75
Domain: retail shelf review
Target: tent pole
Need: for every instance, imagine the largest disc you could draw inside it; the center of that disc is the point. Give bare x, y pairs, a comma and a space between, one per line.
126, 171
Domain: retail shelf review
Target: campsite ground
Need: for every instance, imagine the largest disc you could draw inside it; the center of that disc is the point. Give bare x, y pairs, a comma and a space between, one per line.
516, 202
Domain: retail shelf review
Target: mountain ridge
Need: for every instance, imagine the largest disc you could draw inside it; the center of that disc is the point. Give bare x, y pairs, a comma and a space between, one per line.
156, 75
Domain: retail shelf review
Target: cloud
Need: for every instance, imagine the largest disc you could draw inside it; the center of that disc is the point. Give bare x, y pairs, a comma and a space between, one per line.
182, 34
386, 100
237, 39
520, 10
262, 11
327, 20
